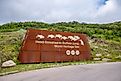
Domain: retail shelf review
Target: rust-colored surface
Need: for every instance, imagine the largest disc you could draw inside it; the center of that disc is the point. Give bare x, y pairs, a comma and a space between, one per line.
48, 46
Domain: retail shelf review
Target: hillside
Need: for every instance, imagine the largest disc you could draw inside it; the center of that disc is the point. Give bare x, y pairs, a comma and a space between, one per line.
104, 39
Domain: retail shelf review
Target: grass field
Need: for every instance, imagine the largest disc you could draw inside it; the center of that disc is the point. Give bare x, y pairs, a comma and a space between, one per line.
10, 43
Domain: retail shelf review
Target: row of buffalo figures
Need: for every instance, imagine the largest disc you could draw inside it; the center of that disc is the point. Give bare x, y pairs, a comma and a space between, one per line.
72, 38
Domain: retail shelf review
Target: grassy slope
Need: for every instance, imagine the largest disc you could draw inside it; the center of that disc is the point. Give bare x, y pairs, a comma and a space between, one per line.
10, 43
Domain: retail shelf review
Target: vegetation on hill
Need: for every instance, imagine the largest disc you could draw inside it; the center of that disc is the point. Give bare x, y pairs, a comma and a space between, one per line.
110, 31
104, 38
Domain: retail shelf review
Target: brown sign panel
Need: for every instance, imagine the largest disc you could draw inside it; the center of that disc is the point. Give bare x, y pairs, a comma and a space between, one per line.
51, 46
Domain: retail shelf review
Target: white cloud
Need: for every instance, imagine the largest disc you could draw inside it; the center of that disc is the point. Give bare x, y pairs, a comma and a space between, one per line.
109, 12
60, 10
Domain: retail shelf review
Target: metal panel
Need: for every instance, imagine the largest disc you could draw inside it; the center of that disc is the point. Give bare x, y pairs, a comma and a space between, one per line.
48, 46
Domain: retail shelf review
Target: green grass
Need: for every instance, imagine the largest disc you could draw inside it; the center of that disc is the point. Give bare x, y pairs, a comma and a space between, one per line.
110, 50
10, 43
28, 67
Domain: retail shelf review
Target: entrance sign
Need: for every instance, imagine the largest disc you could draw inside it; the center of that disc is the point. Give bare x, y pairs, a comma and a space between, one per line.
51, 46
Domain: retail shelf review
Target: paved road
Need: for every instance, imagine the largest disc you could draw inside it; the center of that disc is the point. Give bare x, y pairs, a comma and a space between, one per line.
90, 72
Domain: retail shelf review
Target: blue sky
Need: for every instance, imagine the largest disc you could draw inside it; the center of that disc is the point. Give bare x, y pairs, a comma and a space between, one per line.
90, 11
103, 2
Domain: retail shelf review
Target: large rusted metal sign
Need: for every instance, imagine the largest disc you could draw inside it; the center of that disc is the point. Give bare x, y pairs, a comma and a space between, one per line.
48, 46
